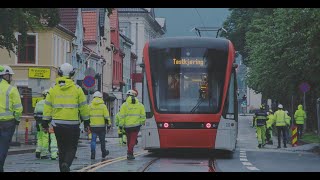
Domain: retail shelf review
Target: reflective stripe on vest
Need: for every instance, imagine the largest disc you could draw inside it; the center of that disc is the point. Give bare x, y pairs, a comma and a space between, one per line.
48, 103
7, 108
82, 104
100, 125
65, 106
75, 122
47, 117
85, 117
17, 106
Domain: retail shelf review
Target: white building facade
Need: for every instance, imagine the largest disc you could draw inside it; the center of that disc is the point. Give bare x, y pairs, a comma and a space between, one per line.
140, 25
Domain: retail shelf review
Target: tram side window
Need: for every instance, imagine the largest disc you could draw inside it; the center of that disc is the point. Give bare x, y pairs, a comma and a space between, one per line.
229, 106
146, 98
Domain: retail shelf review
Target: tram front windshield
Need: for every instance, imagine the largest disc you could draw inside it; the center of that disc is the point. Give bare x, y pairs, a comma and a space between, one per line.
188, 80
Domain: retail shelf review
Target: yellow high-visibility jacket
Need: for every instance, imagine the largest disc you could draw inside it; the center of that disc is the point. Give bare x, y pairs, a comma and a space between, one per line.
10, 102
99, 113
132, 115
281, 118
64, 102
300, 115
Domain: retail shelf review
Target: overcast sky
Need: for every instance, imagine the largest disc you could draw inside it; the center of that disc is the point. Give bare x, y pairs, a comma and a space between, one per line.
181, 21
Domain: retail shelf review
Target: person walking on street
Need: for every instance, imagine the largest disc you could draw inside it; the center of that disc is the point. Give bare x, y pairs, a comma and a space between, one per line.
10, 111
281, 123
42, 148
269, 127
260, 118
53, 145
121, 132
64, 104
99, 119
132, 117
300, 117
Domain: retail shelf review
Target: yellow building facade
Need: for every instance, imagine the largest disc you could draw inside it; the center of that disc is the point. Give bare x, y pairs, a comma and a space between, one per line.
35, 67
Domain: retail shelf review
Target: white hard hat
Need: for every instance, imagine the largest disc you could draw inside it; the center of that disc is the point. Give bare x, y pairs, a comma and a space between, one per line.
131, 92
45, 92
6, 70
66, 69
97, 94
280, 106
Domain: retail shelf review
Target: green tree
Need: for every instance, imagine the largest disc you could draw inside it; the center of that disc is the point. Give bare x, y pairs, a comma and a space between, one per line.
23, 20
282, 50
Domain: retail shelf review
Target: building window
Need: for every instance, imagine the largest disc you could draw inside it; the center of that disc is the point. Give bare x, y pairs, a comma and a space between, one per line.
26, 100
27, 54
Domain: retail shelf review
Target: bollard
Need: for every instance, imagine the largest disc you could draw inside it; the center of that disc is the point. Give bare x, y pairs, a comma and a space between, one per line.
26, 132
294, 136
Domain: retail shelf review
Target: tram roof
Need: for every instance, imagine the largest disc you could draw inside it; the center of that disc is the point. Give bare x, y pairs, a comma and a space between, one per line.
189, 41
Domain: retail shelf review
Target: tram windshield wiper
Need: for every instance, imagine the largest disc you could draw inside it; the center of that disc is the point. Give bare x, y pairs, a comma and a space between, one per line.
200, 100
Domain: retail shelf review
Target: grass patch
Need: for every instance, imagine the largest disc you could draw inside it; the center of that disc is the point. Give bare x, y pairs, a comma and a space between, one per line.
310, 138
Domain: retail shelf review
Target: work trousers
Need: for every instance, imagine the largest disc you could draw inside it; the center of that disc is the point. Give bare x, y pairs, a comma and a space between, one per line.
42, 141
67, 138
261, 134
101, 133
283, 130
132, 135
6, 132
300, 129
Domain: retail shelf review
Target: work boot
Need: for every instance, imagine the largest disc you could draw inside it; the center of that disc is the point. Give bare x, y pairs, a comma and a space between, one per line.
259, 146
130, 157
279, 146
270, 142
38, 155
285, 146
52, 158
93, 154
64, 167
105, 153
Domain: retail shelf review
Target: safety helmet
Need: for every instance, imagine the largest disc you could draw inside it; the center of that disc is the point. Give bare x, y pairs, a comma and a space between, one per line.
262, 106
131, 92
66, 69
97, 94
6, 70
45, 92
280, 106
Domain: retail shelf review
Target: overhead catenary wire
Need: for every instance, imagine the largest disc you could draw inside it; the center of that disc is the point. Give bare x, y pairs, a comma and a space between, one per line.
202, 22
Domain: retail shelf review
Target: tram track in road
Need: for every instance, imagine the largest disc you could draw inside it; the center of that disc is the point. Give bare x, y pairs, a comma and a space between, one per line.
94, 167
147, 165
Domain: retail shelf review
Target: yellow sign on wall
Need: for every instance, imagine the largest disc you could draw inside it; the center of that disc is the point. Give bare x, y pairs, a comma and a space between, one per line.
35, 100
43, 73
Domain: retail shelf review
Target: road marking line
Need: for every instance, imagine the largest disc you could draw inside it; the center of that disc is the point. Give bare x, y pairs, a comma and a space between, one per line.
243, 159
252, 168
98, 165
247, 163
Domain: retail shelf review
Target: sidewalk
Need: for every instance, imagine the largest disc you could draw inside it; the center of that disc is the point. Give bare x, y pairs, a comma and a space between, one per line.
21, 148
302, 146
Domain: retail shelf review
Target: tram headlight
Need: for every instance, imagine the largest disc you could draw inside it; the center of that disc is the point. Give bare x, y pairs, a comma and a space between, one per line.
208, 125
166, 125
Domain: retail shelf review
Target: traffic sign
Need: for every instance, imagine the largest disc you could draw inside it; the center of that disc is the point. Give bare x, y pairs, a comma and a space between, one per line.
89, 81
304, 87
